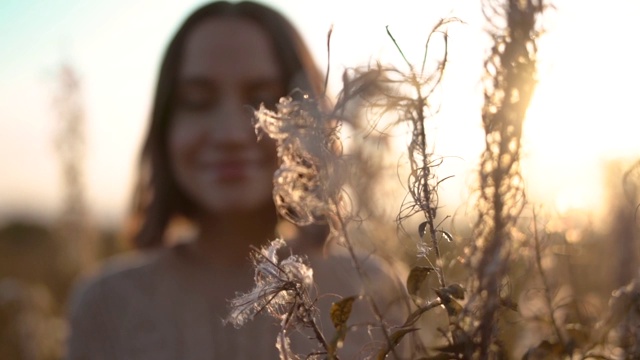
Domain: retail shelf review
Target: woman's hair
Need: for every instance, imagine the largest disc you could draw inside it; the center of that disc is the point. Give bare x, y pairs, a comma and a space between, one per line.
157, 197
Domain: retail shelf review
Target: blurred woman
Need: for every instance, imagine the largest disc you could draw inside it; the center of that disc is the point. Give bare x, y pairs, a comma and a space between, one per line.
201, 162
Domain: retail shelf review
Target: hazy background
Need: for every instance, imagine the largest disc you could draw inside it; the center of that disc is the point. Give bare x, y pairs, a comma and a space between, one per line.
584, 111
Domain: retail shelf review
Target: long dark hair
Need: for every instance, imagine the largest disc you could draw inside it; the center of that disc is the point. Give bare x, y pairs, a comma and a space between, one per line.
157, 197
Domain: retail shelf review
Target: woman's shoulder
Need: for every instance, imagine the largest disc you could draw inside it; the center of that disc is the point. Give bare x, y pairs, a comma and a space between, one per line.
116, 275
135, 306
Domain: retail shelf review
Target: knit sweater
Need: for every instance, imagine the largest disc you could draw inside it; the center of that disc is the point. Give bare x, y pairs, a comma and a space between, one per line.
165, 304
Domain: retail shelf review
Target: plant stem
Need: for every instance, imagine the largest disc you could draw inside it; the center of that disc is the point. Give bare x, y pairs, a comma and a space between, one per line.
545, 282
361, 274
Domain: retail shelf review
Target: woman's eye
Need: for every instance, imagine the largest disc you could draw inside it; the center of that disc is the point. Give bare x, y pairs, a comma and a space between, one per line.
267, 94
195, 98
192, 102
269, 100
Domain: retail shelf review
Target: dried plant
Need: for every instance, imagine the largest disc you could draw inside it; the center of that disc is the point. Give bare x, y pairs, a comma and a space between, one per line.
282, 289
74, 230
308, 180
404, 97
510, 81
308, 185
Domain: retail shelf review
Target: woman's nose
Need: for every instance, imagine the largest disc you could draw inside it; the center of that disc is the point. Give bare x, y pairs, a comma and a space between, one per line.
232, 123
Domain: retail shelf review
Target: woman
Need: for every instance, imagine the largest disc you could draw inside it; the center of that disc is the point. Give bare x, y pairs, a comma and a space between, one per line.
201, 162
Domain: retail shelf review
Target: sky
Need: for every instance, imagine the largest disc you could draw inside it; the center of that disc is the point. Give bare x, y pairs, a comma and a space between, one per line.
583, 113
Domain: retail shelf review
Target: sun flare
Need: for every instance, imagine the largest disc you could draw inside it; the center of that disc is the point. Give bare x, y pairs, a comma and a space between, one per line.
577, 123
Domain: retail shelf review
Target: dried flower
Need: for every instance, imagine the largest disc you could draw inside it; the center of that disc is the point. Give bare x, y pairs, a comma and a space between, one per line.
306, 146
281, 288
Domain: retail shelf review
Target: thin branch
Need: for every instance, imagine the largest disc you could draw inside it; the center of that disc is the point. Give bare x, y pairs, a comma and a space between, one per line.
545, 282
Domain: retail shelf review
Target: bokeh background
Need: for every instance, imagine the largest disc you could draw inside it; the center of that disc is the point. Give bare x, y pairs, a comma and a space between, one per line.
97, 61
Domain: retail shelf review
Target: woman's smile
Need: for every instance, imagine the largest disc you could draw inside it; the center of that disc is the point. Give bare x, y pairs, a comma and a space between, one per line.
231, 170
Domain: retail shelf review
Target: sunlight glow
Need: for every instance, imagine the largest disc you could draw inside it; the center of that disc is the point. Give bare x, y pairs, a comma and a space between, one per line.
580, 117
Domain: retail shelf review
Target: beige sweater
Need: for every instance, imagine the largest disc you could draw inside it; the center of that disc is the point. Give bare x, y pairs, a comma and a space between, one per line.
167, 305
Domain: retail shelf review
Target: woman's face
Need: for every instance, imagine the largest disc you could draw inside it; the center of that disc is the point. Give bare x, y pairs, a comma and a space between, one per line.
228, 67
